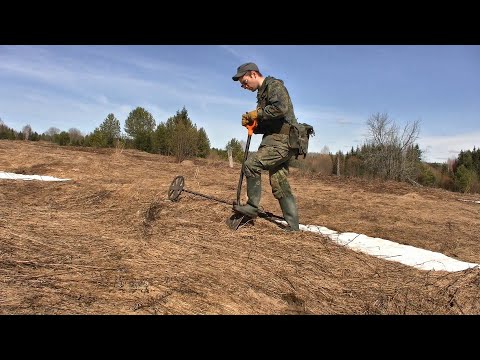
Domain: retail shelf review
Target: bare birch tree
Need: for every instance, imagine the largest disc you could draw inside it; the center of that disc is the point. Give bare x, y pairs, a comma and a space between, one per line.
27, 131
75, 136
392, 153
52, 131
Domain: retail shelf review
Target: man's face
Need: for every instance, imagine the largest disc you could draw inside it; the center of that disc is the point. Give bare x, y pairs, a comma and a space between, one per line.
247, 82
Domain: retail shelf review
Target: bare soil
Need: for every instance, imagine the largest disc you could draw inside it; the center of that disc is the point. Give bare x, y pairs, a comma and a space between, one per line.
110, 241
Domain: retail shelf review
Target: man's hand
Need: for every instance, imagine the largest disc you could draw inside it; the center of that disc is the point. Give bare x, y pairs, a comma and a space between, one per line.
246, 120
249, 117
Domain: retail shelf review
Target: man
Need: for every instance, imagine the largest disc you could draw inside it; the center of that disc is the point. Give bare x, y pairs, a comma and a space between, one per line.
273, 115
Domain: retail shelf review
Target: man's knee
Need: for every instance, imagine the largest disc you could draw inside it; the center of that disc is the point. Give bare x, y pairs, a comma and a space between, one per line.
251, 167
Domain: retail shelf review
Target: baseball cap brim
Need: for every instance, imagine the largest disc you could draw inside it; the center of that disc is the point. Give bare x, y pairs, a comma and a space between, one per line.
238, 75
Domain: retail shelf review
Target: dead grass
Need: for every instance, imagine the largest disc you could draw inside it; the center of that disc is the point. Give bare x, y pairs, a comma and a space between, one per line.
110, 241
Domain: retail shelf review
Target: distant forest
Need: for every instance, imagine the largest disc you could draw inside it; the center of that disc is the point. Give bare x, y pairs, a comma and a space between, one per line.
389, 153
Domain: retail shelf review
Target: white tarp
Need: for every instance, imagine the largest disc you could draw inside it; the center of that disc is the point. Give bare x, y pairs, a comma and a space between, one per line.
389, 250
13, 176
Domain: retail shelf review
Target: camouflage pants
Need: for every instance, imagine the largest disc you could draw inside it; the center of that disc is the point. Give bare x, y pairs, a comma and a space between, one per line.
273, 155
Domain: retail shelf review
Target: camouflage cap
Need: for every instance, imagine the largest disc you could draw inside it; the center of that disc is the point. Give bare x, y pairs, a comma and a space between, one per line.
242, 70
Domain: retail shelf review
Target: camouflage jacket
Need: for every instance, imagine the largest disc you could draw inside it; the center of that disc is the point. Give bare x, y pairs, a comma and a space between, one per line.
274, 106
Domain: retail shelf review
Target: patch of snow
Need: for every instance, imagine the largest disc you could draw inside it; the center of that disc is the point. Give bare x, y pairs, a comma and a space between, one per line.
13, 176
474, 201
392, 251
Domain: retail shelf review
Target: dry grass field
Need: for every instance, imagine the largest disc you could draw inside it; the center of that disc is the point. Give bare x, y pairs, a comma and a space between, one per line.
110, 242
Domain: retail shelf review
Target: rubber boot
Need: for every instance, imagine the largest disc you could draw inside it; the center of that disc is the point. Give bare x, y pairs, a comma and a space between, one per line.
254, 193
290, 212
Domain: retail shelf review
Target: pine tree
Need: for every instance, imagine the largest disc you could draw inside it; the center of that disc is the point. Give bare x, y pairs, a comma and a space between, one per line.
140, 125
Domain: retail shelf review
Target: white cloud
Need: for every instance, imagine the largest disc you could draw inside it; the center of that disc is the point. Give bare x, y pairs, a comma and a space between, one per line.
233, 51
102, 99
335, 128
441, 148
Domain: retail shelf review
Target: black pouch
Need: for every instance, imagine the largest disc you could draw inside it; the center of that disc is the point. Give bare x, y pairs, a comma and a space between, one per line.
299, 137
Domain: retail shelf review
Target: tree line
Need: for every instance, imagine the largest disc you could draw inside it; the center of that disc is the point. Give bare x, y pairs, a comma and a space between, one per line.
389, 152
178, 136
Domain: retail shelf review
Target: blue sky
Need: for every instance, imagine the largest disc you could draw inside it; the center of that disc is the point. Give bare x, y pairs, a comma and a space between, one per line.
334, 88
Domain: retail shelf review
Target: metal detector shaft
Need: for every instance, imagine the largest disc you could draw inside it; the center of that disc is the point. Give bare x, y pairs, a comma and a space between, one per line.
208, 197
261, 213
177, 187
